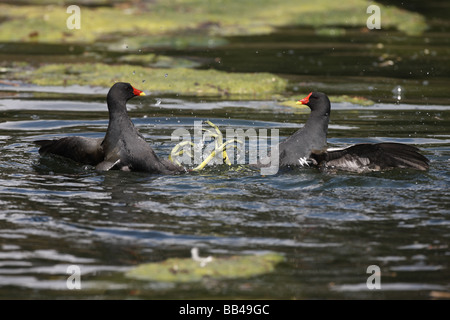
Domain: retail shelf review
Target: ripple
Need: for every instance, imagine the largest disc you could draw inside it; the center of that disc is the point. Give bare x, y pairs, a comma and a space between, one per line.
54, 213
417, 267
389, 287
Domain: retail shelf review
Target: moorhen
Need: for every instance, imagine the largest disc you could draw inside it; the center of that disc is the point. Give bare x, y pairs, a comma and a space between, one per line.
123, 147
307, 146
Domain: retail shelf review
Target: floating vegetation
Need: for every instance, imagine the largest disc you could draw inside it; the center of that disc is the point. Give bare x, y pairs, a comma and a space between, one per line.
182, 270
331, 32
291, 102
183, 81
158, 61
194, 19
220, 148
352, 99
175, 41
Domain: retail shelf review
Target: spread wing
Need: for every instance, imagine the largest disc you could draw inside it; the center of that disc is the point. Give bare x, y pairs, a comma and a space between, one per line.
80, 149
373, 157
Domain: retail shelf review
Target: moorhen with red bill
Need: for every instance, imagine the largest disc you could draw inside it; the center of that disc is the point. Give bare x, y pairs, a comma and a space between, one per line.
307, 146
123, 147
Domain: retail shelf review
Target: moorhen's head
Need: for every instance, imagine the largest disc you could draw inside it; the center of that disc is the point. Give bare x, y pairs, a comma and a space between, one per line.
317, 101
121, 92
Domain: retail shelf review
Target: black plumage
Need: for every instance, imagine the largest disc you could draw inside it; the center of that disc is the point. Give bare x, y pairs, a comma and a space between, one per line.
123, 147
307, 146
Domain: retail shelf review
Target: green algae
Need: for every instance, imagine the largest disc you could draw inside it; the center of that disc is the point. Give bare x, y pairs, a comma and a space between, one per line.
123, 27
175, 41
158, 61
291, 102
202, 19
179, 270
169, 80
362, 101
183, 81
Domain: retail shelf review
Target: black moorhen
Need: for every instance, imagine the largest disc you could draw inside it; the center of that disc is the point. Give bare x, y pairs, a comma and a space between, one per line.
296, 149
122, 148
307, 146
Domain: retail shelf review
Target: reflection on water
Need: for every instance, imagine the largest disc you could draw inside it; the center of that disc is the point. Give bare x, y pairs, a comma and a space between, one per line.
330, 226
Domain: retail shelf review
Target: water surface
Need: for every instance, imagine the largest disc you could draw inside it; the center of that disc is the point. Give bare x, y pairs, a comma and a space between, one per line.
329, 226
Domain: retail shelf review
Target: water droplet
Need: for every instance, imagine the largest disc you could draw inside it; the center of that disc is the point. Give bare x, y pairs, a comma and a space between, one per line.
398, 92
397, 89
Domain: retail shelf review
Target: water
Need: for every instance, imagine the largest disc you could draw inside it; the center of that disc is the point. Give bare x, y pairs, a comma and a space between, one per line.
329, 226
